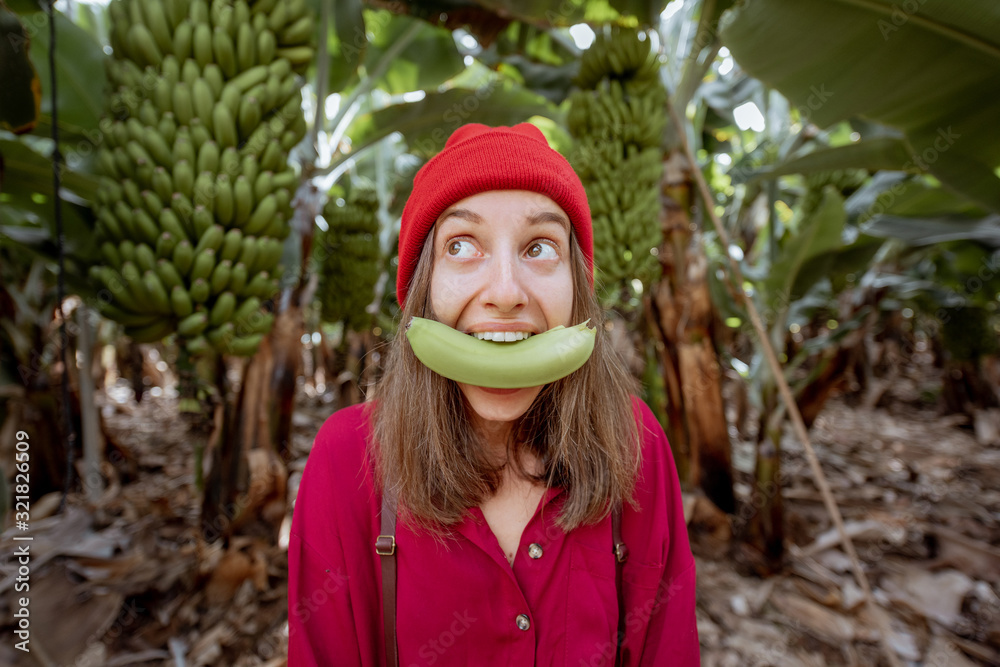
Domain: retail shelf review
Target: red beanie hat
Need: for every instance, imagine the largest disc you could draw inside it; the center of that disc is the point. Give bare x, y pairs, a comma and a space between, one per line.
477, 159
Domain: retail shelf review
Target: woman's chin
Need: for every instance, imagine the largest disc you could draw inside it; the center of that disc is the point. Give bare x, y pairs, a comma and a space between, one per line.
502, 405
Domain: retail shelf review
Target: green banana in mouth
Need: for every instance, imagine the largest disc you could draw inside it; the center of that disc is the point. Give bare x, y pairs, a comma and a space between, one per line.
538, 360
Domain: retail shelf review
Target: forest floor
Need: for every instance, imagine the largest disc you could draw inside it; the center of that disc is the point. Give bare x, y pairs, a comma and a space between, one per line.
126, 581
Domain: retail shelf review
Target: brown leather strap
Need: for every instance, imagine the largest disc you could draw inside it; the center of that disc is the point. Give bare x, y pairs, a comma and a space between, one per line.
385, 547
621, 555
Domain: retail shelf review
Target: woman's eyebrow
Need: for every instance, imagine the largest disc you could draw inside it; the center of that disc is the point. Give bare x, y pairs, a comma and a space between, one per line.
533, 219
463, 213
548, 216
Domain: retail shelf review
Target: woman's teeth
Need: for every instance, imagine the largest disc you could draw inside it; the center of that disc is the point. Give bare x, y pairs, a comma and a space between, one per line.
502, 336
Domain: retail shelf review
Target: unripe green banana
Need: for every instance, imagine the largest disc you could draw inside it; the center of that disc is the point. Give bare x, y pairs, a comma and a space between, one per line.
260, 322
127, 250
242, 201
183, 39
242, 314
224, 205
249, 115
183, 256
180, 302
277, 18
203, 98
219, 279
225, 51
262, 215
158, 24
245, 346
145, 228
193, 325
153, 205
267, 44
147, 114
220, 337
238, 278
184, 178
150, 333
231, 245
138, 154
249, 168
183, 149
296, 55
183, 106
222, 310
241, 12
298, 32
170, 224
160, 301
229, 163
202, 43
204, 191
168, 274
535, 361
110, 253
259, 285
277, 229
145, 258
197, 346
263, 185
208, 158
199, 133
248, 252
143, 45
127, 318
211, 238
272, 158
199, 12
204, 263
200, 291
201, 220
244, 81
246, 47
163, 185
225, 126
190, 72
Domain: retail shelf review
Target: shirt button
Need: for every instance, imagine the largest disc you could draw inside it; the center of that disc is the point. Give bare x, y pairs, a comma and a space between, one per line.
535, 551
522, 622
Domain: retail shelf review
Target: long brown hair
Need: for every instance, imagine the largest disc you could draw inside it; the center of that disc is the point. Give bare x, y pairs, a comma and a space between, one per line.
582, 428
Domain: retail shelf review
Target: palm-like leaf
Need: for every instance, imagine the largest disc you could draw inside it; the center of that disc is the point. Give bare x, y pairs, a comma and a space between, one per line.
927, 67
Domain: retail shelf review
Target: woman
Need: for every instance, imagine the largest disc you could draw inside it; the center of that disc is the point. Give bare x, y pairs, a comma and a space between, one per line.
506, 498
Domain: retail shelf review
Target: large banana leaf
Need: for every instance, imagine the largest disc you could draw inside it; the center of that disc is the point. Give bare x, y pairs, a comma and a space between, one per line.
819, 232
80, 76
21, 100
430, 58
427, 124
926, 67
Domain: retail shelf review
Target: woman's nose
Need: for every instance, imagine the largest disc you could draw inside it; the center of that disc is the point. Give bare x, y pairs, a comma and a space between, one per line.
505, 288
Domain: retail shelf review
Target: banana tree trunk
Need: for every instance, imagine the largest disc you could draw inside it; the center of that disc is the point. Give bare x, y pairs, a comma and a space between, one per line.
683, 318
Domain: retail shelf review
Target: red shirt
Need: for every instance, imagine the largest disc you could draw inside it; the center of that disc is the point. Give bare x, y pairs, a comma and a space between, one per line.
458, 600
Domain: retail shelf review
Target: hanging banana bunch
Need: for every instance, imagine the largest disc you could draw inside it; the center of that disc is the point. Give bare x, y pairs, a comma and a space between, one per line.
348, 254
196, 187
845, 181
618, 117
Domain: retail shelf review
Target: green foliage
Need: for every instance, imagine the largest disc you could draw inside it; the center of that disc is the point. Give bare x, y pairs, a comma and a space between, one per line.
967, 333
348, 256
918, 67
618, 121
21, 101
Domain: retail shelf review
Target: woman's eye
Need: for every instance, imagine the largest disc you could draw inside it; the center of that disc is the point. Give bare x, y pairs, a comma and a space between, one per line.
461, 249
541, 250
